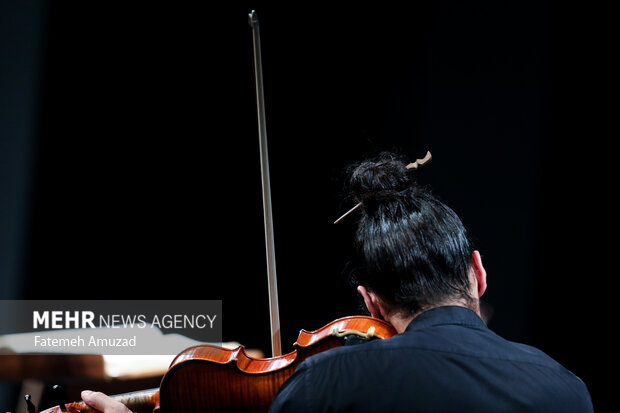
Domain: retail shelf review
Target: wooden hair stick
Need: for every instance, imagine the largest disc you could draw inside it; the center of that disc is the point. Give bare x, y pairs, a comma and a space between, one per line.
413, 165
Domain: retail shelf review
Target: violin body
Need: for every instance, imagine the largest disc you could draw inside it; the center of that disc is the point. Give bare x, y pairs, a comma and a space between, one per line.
210, 378
215, 379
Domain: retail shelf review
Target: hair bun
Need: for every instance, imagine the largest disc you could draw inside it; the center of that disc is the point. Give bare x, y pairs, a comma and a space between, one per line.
379, 180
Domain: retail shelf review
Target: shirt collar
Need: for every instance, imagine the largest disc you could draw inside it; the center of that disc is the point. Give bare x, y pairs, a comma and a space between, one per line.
446, 315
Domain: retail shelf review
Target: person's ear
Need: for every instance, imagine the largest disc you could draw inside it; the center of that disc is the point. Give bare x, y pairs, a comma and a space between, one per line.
371, 301
479, 272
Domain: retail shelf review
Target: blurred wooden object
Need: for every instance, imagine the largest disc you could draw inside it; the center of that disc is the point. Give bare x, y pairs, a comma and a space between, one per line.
18, 367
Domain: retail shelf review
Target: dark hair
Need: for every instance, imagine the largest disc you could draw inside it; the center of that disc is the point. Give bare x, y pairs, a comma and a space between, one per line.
411, 249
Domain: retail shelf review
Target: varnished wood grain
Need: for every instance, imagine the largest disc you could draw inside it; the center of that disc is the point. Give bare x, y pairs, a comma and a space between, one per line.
208, 378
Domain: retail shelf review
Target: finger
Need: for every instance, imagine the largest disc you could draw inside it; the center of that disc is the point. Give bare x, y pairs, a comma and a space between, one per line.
102, 402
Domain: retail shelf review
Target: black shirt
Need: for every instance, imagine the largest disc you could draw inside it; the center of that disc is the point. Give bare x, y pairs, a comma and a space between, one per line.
447, 360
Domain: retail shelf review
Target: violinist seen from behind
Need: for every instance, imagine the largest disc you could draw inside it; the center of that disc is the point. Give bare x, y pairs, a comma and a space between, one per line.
416, 268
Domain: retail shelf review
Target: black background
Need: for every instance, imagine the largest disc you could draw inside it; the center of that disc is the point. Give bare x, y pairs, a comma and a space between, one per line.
146, 175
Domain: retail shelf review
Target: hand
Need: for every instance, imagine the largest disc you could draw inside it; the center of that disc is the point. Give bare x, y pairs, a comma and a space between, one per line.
103, 403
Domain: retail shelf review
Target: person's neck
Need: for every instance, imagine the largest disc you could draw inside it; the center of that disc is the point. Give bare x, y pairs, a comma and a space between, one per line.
400, 321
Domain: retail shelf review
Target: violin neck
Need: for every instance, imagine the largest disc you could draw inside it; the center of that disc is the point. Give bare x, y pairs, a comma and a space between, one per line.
139, 402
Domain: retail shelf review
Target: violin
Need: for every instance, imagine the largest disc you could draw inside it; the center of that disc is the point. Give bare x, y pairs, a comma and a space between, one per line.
215, 379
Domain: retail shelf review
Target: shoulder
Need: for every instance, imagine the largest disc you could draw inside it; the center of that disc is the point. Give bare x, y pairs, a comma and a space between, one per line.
351, 352
325, 379
457, 359
324, 374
